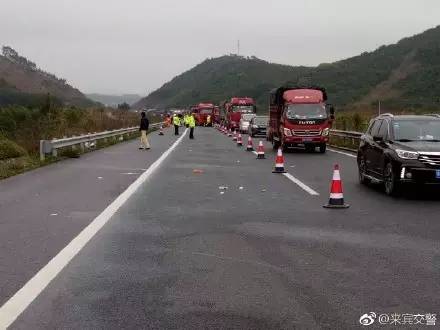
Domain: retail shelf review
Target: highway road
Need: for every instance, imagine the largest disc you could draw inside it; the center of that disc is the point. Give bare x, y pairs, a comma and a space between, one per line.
178, 252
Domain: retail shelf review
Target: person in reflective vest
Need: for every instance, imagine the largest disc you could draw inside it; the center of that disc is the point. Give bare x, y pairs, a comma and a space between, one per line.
208, 120
192, 125
186, 119
176, 123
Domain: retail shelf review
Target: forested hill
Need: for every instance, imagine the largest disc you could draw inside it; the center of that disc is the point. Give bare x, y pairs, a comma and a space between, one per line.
402, 75
22, 82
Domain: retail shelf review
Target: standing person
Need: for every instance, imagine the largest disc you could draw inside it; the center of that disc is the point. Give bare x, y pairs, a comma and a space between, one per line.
192, 125
208, 120
176, 123
143, 128
186, 119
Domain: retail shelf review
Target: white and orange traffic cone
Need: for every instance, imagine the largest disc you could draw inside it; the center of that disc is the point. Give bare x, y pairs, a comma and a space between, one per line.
260, 150
239, 140
250, 146
336, 200
161, 130
234, 137
279, 162
230, 133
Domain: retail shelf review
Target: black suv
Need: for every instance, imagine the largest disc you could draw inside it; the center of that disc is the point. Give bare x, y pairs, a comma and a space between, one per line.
400, 149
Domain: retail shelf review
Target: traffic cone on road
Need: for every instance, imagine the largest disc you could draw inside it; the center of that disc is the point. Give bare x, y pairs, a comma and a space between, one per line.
239, 140
161, 130
260, 151
279, 162
234, 137
249, 147
336, 200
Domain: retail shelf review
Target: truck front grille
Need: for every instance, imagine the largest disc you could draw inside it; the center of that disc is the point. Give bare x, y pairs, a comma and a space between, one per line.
301, 132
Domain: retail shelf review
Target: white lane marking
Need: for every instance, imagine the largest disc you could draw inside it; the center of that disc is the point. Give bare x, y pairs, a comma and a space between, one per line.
301, 184
23, 297
255, 152
342, 153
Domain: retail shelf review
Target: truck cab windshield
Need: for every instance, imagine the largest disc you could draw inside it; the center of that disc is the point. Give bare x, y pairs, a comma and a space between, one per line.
306, 111
243, 108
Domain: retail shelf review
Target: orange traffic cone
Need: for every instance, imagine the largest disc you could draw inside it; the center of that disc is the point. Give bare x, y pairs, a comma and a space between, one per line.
336, 200
279, 162
239, 140
161, 130
230, 133
250, 146
234, 137
260, 151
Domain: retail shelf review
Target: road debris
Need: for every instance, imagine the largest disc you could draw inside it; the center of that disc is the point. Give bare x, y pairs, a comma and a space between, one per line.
197, 171
223, 188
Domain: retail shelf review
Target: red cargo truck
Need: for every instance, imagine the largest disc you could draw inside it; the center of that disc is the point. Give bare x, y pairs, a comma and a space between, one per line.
203, 110
300, 117
236, 107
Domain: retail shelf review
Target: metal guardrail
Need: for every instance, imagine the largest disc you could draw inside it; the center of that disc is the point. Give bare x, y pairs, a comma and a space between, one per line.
347, 135
52, 146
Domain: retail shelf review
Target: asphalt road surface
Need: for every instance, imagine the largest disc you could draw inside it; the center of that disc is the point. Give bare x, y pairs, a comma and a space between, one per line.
181, 253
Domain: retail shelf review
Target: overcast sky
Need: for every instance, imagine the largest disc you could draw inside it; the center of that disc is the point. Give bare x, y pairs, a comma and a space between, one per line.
134, 46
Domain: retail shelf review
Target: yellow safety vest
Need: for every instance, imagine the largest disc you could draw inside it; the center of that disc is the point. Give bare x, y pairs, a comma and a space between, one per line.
191, 122
176, 120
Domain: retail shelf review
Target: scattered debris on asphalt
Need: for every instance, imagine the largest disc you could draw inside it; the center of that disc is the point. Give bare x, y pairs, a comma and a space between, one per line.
197, 171
222, 192
223, 188
53, 214
241, 188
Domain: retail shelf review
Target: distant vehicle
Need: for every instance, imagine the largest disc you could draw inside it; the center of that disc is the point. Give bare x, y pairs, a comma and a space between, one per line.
203, 110
397, 150
300, 117
258, 126
244, 122
236, 108
216, 118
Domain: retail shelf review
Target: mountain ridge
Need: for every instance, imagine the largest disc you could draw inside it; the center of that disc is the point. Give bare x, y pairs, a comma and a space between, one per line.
401, 75
21, 80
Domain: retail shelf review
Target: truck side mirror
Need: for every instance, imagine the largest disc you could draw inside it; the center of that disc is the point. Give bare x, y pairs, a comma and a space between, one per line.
331, 110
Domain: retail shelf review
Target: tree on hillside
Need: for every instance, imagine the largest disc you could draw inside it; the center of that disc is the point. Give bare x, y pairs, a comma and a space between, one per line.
124, 106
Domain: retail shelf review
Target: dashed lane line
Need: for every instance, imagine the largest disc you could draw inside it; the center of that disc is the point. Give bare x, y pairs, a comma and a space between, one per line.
301, 184
12, 309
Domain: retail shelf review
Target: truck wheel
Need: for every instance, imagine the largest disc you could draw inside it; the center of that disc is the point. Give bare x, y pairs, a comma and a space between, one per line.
322, 148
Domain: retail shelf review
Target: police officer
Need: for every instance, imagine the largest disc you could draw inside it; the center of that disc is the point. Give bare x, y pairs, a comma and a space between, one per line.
176, 123
192, 125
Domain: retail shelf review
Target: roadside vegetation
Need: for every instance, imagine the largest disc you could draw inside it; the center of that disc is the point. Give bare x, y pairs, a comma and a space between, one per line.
22, 128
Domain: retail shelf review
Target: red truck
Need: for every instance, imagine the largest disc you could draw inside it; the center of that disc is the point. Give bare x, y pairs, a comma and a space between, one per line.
300, 117
236, 107
203, 110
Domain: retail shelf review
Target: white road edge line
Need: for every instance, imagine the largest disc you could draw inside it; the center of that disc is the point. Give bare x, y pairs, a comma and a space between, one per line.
12, 309
301, 184
342, 153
